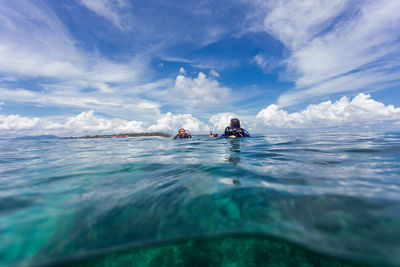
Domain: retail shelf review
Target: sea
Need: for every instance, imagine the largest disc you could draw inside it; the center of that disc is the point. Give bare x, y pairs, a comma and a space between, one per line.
327, 198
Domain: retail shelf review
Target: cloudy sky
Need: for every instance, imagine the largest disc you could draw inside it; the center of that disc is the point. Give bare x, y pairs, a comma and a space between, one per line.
72, 67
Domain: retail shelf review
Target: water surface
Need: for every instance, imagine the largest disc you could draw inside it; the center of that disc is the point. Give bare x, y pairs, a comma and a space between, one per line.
283, 199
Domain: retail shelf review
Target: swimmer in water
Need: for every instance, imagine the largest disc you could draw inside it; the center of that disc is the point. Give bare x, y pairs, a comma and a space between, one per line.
182, 134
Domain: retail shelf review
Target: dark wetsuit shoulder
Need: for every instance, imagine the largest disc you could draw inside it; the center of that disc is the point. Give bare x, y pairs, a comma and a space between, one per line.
180, 136
235, 131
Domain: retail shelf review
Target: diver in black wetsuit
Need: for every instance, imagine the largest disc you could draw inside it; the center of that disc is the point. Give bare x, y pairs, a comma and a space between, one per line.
213, 135
234, 130
182, 134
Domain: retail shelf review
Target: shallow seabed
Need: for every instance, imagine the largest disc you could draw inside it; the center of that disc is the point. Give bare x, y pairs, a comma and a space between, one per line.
307, 199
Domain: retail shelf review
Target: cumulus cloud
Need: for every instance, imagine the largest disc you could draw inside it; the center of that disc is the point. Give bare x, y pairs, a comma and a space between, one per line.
361, 110
199, 91
111, 10
18, 123
84, 123
335, 46
170, 123
221, 120
88, 122
182, 71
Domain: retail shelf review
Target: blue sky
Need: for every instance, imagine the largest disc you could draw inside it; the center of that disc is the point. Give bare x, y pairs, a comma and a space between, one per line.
71, 67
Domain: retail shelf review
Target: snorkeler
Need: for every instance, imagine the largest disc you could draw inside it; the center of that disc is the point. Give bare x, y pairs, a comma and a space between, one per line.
234, 130
182, 134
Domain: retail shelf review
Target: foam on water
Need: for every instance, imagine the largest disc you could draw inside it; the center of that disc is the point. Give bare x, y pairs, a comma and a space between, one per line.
331, 197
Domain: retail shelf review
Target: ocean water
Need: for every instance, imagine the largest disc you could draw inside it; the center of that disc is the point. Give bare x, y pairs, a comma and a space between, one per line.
293, 199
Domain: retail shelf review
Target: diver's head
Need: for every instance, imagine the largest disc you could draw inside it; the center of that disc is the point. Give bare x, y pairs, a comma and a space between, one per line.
235, 122
182, 131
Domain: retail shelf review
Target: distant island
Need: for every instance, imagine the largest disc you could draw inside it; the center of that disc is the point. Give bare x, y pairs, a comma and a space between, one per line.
125, 135
36, 137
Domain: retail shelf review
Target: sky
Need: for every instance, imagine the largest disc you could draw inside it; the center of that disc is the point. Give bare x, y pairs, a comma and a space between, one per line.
74, 67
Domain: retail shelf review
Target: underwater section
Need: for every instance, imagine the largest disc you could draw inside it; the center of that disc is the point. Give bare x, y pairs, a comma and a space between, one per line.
230, 250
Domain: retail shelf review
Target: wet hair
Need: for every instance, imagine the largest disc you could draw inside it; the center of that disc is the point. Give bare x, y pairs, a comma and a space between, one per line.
181, 129
235, 122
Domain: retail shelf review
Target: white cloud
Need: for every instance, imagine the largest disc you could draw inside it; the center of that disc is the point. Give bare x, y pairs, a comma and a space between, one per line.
51, 51
361, 110
182, 71
111, 10
63, 75
84, 123
145, 104
295, 23
266, 62
171, 123
53, 69
336, 46
260, 61
221, 120
68, 75
349, 82
200, 91
116, 106
89, 123
17, 123
214, 73
8, 79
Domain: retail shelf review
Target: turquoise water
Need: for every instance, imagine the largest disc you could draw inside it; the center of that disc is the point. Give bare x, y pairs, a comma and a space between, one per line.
306, 199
